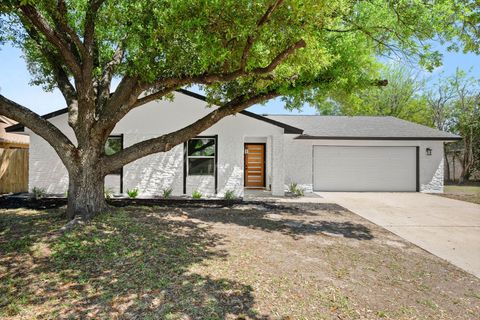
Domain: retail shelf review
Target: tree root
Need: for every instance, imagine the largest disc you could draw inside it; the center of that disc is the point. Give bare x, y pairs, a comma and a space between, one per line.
75, 223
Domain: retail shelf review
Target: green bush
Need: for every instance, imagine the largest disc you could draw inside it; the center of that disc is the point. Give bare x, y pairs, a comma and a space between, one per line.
295, 189
38, 193
132, 194
196, 194
229, 195
167, 192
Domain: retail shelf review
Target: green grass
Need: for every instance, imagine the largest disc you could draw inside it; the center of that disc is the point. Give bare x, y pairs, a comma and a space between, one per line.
464, 193
462, 189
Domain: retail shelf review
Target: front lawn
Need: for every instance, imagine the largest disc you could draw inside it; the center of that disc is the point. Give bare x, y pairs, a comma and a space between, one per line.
245, 262
464, 193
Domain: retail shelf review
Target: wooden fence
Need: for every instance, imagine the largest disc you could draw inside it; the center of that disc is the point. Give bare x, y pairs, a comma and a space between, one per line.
13, 168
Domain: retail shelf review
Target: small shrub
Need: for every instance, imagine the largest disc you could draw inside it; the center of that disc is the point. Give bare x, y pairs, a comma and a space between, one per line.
196, 194
292, 187
108, 193
296, 190
166, 193
132, 194
299, 192
229, 195
38, 193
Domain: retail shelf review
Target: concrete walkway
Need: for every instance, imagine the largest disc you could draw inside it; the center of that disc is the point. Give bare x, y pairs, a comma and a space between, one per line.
447, 228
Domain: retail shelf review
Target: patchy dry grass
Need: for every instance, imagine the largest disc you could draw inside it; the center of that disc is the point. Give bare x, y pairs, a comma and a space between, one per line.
464, 193
292, 262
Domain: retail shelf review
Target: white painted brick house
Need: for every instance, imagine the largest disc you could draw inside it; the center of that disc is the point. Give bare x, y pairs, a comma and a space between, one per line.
252, 151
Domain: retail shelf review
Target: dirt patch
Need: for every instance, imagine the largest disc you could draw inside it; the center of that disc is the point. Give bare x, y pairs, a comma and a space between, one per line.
264, 261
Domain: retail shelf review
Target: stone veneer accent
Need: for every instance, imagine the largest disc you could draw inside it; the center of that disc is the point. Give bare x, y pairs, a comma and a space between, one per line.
436, 184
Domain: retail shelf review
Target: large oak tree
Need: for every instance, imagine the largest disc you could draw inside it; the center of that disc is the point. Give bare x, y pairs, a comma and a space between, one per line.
241, 52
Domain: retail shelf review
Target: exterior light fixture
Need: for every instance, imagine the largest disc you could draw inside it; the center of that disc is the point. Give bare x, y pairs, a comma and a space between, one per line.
429, 151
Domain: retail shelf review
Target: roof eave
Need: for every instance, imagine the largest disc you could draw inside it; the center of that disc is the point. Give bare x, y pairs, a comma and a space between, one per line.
287, 128
308, 137
15, 128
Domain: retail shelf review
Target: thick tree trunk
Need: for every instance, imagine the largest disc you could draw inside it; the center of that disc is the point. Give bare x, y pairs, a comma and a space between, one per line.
86, 193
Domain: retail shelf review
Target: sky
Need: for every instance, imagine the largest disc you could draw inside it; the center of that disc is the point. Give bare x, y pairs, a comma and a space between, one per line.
15, 78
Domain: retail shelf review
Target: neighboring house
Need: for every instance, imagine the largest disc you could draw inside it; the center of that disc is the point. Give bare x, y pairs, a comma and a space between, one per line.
252, 151
10, 139
13, 159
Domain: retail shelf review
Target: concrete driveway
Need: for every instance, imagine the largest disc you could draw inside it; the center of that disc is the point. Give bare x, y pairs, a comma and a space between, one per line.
450, 229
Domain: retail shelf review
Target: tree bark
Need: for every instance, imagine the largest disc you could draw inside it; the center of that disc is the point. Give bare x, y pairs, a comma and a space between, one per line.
467, 159
86, 196
447, 164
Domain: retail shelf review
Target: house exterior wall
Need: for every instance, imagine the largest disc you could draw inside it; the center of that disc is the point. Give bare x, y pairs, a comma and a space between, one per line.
156, 172
299, 160
46, 169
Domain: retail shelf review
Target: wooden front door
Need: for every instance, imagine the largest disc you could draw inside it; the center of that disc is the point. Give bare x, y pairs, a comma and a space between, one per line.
254, 165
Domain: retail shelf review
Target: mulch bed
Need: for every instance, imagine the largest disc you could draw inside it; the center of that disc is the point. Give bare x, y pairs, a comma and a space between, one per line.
12, 202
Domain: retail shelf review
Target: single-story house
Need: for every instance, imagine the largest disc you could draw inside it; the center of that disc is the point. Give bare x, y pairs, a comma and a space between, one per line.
247, 150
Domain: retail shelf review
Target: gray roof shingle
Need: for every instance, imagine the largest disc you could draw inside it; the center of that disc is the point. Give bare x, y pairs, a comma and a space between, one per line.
361, 127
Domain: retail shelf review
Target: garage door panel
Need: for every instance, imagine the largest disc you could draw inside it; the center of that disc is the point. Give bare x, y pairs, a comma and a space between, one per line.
350, 168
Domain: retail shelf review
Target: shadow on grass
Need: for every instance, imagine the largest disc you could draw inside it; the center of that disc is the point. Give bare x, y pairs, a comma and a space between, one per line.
128, 264
287, 219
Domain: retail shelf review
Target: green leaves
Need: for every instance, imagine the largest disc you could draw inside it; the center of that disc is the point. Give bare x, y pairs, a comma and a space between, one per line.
176, 39
402, 97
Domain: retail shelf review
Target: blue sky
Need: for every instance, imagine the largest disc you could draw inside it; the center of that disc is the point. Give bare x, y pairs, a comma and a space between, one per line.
14, 82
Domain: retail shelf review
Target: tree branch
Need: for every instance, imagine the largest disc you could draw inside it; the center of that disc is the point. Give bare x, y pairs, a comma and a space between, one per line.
251, 38
52, 36
280, 57
60, 17
119, 104
91, 15
62, 145
167, 141
106, 79
153, 96
63, 83
228, 76
126, 95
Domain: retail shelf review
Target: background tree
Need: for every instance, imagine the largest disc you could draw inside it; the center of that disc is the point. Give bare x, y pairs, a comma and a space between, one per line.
241, 52
402, 98
466, 112
440, 100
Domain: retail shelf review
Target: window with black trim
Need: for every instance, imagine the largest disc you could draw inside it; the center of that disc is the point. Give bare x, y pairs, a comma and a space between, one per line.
201, 156
113, 145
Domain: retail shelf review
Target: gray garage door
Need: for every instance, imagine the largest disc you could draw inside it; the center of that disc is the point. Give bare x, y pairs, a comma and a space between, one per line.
341, 168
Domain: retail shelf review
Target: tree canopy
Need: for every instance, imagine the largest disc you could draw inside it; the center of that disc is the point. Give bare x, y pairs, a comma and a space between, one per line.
404, 97
214, 42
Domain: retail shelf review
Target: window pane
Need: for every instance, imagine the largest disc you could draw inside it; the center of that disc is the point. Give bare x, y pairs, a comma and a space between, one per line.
201, 166
201, 147
113, 145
